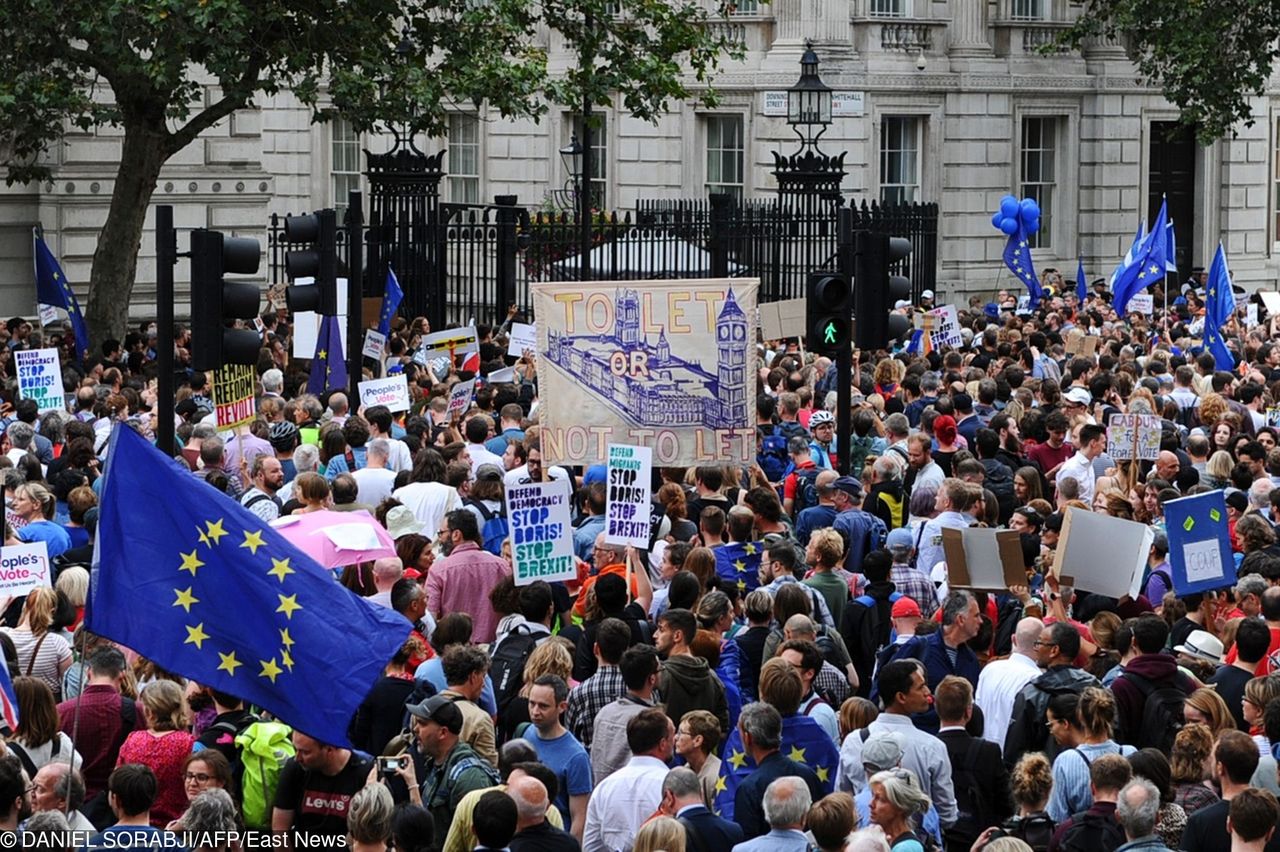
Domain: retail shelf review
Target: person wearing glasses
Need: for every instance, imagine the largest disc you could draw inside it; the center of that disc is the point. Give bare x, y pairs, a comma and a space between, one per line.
1056, 652
207, 769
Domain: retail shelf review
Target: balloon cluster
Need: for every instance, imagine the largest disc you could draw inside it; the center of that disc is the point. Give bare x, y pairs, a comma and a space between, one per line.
1014, 214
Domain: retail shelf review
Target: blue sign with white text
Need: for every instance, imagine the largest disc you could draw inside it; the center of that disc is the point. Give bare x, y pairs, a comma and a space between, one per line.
1199, 543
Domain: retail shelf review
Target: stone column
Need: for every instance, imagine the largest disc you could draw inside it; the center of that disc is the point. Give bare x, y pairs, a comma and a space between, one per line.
968, 34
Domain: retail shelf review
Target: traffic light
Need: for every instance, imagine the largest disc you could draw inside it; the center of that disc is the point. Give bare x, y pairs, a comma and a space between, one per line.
319, 261
878, 290
215, 302
829, 307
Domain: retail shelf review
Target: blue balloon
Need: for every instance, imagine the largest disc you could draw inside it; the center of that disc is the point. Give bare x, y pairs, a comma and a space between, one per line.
995, 220
1033, 225
1008, 206
1009, 225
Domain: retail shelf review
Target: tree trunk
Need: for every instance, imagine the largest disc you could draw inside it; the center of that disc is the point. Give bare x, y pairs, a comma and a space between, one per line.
115, 261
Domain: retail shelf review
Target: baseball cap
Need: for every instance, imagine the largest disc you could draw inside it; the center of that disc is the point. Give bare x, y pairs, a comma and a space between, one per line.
899, 537
848, 485
882, 751
441, 710
595, 473
1238, 501
1079, 396
905, 607
927, 294
489, 472
901, 303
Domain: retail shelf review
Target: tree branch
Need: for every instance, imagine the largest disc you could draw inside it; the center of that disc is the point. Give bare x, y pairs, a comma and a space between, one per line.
202, 121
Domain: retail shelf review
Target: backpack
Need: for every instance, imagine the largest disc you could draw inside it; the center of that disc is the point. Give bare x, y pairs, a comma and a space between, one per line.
881, 628
1092, 833
971, 801
1161, 714
264, 747
494, 530
773, 457
806, 490
507, 666
1035, 830
827, 646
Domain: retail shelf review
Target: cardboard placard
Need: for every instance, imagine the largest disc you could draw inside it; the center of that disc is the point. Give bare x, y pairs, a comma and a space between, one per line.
40, 378
393, 392
460, 396
1102, 554
541, 532
234, 386
983, 558
946, 328
1133, 436
507, 374
779, 320
450, 341
23, 567
1273, 416
1082, 345
1141, 303
627, 513
1270, 300
375, 342
1199, 543
524, 336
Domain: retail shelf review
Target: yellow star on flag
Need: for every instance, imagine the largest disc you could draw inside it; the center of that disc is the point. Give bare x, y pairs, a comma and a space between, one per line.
185, 599
288, 603
196, 636
823, 773
269, 669
287, 660
280, 568
1142, 274
1154, 269
253, 540
190, 562
749, 548
796, 754
720, 785
742, 585
285, 639
322, 354
740, 566
229, 663
215, 530
204, 539
738, 759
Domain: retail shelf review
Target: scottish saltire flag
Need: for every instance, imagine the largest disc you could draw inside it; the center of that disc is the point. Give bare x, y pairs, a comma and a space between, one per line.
1138, 237
206, 589
803, 740
1171, 251
329, 366
52, 288
1219, 305
1147, 266
392, 296
8, 700
739, 563
1082, 286
1017, 256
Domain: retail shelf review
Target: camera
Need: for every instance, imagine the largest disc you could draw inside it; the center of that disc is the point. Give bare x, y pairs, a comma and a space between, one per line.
389, 765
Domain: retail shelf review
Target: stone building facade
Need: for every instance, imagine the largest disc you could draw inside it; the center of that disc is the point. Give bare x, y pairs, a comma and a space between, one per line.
950, 101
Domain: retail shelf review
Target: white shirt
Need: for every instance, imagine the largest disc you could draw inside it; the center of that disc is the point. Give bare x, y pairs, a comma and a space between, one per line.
998, 686
430, 502
398, 456
930, 547
1080, 469
621, 803
822, 713
930, 476
481, 455
520, 475
373, 484
922, 753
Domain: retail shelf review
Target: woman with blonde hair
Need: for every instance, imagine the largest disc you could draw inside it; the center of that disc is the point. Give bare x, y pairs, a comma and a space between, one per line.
1096, 713
369, 818
554, 656
1191, 767
1258, 693
42, 653
35, 504
1217, 471
661, 834
73, 581
1206, 707
163, 747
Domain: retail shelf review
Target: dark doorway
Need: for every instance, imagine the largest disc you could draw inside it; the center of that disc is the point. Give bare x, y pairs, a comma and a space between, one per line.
1172, 174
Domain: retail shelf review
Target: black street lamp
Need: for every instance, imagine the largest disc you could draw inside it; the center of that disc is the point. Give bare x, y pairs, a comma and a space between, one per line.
571, 156
809, 101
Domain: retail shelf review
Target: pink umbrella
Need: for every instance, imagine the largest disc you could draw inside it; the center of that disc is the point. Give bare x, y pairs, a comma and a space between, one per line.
335, 539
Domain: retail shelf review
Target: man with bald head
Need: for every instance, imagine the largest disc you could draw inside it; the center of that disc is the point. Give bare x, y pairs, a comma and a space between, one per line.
58, 787
513, 754
1002, 680
533, 832
386, 571
1167, 466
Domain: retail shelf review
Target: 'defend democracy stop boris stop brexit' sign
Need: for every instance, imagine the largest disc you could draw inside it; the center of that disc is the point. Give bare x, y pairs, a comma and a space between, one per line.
541, 532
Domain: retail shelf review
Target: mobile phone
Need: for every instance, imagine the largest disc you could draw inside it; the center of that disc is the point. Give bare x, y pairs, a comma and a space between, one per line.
389, 765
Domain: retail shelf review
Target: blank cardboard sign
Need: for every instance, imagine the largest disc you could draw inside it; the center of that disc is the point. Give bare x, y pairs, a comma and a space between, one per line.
980, 558
1102, 554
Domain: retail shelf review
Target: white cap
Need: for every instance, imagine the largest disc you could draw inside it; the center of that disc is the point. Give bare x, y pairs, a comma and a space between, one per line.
901, 303
1079, 396
927, 294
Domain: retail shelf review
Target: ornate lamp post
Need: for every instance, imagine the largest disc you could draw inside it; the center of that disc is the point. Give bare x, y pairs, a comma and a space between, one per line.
571, 156
809, 101
809, 172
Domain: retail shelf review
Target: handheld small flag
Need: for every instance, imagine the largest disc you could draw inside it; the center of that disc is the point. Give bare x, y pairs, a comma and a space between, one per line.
53, 289
1219, 305
1082, 286
392, 295
1147, 266
328, 367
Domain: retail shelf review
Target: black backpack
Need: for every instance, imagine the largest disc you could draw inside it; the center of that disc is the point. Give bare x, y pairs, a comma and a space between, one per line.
1161, 714
971, 801
507, 667
806, 490
1092, 833
1035, 830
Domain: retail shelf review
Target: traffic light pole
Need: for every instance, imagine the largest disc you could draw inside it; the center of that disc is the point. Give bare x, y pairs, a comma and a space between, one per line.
844, 356
355, 293
166, 259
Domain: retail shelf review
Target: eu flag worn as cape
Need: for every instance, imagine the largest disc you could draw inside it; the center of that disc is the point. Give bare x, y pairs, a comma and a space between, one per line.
739, 563
52, 288
1017, 256
803, 740
329, 366
1219, 305
392, 295
186, 577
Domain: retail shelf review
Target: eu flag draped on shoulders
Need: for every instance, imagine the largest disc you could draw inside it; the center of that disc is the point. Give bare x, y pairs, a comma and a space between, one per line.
329, 366
739, 563
1017, 256
52, 288
1147, 265
392, 296
186, 577
1219, 305
803, 740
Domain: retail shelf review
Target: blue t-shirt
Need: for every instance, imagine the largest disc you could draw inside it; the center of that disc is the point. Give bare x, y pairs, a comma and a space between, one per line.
54, 536
571, 763
79, 535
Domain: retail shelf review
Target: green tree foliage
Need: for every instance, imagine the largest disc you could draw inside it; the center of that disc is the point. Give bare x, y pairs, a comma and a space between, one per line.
166, 70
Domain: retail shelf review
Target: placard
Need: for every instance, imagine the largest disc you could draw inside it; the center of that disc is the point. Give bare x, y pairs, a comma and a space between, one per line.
393, 392
374, 344
1273, 416
779, 320
460, 396
40, 378
627, 503
233, 391
1270, 301
983, 558
541, 532
1199, 543
48, 314
946, 327
450, 341
1141, 303
524, 336
1133, 436
1251, 315
23, 567
506, 374
1081, 344
1102, 554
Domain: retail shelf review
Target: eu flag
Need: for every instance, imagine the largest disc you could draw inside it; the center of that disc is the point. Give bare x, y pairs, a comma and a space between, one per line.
181, 566
1138, 237
53, 289
329, 366
1219, 305
803, 740
1148, 265
738, 563
8, 701
1017, 256
392, 295
1171, 251
1082, 286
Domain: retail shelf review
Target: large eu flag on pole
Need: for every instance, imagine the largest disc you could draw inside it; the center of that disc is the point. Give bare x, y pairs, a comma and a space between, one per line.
1147, 266
52, 288
1219, 305
329, 366
392, 296
186, 577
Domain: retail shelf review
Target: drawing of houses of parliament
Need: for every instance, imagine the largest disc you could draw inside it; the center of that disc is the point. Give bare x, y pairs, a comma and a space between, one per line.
676, 391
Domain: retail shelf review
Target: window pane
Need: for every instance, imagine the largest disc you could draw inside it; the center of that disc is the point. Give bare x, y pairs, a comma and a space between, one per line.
463, 159
889, 8
1038, 178
344, 163
724, 156
900, 159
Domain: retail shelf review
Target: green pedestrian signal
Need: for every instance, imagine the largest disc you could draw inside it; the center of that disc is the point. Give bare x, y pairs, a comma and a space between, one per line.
829, 335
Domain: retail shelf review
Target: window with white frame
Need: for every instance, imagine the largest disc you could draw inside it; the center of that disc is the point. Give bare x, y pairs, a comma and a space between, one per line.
464, 158
1038, 176
745, 7
344, 168
599, 157
724, 154
890, 8
1027, 10
900, 144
